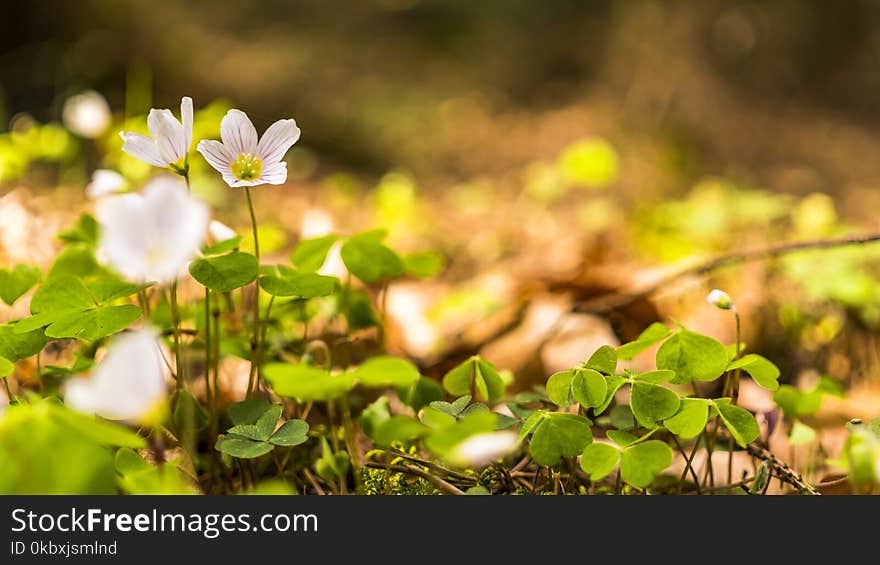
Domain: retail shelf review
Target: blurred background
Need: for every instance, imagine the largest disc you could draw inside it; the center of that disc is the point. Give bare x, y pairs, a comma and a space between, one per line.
550, 151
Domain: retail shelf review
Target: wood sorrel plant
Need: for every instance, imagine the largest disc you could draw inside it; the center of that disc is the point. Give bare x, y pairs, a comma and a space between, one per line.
316, 415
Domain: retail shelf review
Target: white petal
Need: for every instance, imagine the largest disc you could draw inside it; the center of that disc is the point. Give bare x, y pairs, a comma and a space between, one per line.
216, 154
273, 173
152, 236
276, 140
482, 449
186, 116
126, 235
180, 223
79, 395
130, 381
220, 231
105, 182
142, 147
168, 134
238, 133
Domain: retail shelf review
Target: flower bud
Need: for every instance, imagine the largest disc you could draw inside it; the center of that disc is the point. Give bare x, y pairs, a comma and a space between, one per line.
720, 299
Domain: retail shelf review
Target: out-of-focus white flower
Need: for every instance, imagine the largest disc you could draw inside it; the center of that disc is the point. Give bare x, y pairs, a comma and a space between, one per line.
86, 114
333, 265
220, 231
315, 223
170, 141
720, 299
128, 384
105, 182
481, 449
154, 235
241, 158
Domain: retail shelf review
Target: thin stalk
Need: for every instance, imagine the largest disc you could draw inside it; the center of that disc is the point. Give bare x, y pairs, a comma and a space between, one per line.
255, 343
215, 356
9, 396
175, 319
734, 387
687, 462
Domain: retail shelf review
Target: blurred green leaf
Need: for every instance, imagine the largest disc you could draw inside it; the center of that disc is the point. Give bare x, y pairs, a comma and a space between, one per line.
225, 273
16, 281
302, 285
310, 254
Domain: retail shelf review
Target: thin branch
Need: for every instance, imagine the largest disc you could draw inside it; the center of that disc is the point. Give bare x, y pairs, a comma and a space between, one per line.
412, 470
609, 302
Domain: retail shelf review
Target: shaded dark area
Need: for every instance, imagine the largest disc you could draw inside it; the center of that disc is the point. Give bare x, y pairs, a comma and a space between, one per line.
370, 80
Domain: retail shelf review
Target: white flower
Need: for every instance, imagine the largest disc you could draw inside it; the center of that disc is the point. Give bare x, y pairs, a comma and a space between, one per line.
720, 299
105, 182
241, 159
87, 114
220, 231
128, 384
152, 236
171, 138
481, 449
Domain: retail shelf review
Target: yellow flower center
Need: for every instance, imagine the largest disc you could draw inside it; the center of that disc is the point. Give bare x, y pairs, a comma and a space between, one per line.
247, 167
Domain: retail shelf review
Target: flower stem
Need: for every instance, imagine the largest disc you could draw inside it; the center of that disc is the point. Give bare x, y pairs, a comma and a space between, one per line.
175, 319
9, 397
255, 340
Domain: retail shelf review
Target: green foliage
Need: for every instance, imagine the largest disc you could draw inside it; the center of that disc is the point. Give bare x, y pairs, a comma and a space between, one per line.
424, 264
690, 419
305, 382
764, 372
444, 440
310, 254
640, 461
331, 466
398, 429
603, 360
225, 273
16, 281
16, 344
6, 367
40, 441
254, 431
136, 476
300, 285
368, 259
476, 377
69, 308
654, 334
652, 403
559, 435
739, 421
693, 357
797, 403
381, 372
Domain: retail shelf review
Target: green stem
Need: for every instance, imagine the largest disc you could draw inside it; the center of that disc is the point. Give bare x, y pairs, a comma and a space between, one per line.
687, 462
208, 392
9, 396
175, 319
255, 343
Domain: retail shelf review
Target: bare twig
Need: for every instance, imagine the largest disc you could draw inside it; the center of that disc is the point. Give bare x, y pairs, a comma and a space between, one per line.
608, 302
413, 470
